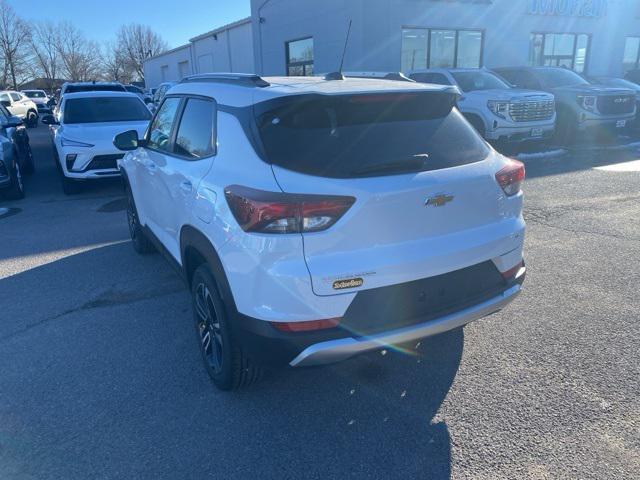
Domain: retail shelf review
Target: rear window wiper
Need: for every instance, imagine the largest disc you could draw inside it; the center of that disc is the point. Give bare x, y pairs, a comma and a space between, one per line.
409, 165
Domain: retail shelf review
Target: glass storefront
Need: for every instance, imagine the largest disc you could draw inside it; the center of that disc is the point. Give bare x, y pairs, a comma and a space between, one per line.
559, 50
631, 59
438, 48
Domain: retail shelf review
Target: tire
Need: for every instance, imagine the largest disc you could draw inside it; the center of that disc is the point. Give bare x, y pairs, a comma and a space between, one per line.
31, 120
139, 239
28, 163
16, 190
226, 363
69, 186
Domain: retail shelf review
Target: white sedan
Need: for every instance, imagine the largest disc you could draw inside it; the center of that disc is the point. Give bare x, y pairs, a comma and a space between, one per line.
83, 130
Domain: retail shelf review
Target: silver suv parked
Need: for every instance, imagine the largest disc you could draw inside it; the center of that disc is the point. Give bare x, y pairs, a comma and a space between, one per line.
500, 113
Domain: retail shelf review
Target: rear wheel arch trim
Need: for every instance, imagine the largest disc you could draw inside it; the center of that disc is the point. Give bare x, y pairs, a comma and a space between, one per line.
192, 238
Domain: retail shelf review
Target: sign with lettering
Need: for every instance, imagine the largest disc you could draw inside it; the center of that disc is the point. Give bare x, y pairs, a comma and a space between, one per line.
568, 8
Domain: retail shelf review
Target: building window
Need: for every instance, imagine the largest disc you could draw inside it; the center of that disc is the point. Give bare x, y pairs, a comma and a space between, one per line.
432, 48
631, 59
560, 50
300, 57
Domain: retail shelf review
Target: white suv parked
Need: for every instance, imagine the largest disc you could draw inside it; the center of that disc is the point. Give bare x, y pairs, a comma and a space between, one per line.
316, 219
83, 128
501, 113
21, 106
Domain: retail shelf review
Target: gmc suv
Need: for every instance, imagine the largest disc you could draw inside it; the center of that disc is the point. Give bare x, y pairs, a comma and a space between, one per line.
501, 114
314, 219
583, 109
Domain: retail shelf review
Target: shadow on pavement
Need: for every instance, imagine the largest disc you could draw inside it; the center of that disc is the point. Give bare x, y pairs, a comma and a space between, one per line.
579, 159
103, 362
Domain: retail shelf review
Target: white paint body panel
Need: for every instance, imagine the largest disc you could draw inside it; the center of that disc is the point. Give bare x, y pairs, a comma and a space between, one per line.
389, 231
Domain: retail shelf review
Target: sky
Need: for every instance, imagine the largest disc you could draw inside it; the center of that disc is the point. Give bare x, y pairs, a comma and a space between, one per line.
175, 20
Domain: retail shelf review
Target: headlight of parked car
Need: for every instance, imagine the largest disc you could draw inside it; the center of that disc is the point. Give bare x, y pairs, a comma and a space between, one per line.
501, 109
588, 102
73, 143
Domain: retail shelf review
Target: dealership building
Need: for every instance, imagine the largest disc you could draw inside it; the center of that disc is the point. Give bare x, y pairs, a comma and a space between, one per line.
306, 37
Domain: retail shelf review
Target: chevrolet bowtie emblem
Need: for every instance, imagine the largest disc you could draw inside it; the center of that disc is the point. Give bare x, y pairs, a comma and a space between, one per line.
438, 201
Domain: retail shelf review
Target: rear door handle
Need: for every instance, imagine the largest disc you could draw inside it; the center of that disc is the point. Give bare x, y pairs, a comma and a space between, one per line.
186, 186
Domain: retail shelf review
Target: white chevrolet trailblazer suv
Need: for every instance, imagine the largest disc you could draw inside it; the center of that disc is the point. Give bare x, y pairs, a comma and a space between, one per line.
501, 113
316, 219
83, 128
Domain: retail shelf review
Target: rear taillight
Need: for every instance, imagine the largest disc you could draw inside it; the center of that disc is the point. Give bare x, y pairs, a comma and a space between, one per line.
308, 326
272, 212
511, 177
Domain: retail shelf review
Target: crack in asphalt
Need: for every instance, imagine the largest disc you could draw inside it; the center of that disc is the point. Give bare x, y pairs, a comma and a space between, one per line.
546, 223
109, 298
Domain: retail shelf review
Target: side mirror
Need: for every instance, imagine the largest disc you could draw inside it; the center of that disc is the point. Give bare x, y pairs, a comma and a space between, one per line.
49, 120
127, 141
5, 103
148, 100
12, 121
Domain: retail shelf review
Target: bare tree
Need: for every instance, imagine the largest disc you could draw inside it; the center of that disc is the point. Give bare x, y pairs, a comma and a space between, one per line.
139, 42
45, 60
14, 39
115, 65
80, 58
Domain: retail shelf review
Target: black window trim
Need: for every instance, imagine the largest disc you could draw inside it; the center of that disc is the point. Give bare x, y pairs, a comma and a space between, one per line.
575, 48
176, 124
481, 31
302, 64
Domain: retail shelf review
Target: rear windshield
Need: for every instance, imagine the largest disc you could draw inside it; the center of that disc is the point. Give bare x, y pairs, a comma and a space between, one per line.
94, 88
350, 136
34, 94
105, 109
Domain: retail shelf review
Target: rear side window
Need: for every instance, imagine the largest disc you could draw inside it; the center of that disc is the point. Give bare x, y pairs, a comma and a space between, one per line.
160, 130
351, 136
195, 137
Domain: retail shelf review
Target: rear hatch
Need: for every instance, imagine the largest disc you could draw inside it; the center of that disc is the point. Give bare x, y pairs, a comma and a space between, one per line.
426, 198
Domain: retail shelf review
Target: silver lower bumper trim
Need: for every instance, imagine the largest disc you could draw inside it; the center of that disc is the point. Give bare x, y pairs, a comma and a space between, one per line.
341, 349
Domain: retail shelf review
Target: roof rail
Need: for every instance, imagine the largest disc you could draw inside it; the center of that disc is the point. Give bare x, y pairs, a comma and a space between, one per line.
240, 79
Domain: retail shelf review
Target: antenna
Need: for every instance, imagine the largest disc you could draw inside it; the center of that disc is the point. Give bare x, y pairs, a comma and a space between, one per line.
338, 75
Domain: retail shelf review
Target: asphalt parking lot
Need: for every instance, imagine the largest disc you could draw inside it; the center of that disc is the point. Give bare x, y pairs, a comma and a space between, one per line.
100, 375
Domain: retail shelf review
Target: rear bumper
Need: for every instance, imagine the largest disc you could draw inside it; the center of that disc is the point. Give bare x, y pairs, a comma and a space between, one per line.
337, 350
268, 346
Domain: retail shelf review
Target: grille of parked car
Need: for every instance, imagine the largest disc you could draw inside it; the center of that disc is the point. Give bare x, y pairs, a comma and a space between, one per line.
102, 162
532, 111
616, 104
